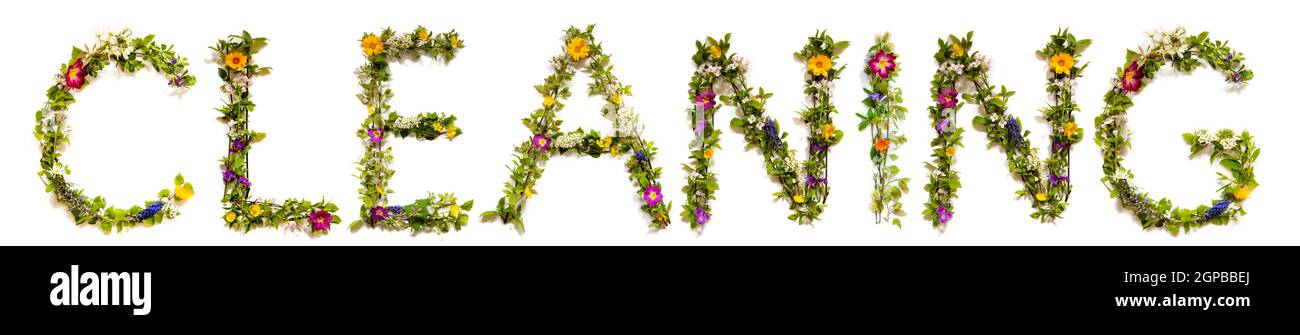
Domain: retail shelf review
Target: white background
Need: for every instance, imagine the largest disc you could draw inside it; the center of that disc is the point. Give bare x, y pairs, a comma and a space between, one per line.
131, 134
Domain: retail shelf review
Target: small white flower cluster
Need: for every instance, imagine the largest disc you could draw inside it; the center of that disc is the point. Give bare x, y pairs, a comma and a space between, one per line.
709, 71
568, 140
790, 164
952, 68
238, 83
1064, 85
400, 42
1225, 140
625, 122
1228, 142
977, 63
822, 87
115, 44
407, 122
738, 64
1169, 43
996, 119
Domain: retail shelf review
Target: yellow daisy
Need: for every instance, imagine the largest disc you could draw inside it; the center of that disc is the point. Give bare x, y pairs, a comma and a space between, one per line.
715, 52
256, 210
616, 98
1071, 128
1040, 196
230, 217
422, 34
1061, 63
798, 198
951, 151
455, 42
452, 131
455, 211
371, 45
1242, 193
827, 131
548, 101
958, 50
236, 60
708, 153
819, 65
577, 48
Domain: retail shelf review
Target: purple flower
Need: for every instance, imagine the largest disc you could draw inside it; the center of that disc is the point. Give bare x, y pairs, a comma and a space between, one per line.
244, 180
378, 213
876, 96
320, 220
652, 196
813, 181
541, 142
236, 146
943, 214
816, 147
227, 175
947, 98
702, 216
376, 135
941, 126
1054, 179
773, 137
1059, 145
704, 100
641, 157
396, 209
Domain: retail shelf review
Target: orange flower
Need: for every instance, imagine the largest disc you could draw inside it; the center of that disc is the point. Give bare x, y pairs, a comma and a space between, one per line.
882, 145
371, 45
236, 60
577, 48
819, 65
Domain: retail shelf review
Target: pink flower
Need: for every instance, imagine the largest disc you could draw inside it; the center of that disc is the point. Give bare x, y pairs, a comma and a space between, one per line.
76, 75
947, 98
882, 64
376, 135
704, 100
652, 196
320, 220
1132, 80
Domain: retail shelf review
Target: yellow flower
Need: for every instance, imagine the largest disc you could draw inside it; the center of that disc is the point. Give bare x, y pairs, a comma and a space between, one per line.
236, 60
371, 45
184, 193
1061, 63
798, 198
548, 101
661, 216
819, 65
958, 50
379, 189
1040, 196
708, 153
455, 42
370, 109
528, 192
613, 150
455, 211
604, 142
256, 210
827, 131
715, 52
438, 127
452, 131
950, 151
230, 217
616, 98
422, 34
577, 48
1071, 128
1242, 193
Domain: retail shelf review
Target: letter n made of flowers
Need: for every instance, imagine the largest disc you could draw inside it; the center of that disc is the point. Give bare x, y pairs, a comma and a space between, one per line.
437, 212
1236, 152
130, 54
236, 68
581, 52
1045, 183
803, 184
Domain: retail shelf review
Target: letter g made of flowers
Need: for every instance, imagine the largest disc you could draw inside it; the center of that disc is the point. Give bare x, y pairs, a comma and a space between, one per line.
545, 139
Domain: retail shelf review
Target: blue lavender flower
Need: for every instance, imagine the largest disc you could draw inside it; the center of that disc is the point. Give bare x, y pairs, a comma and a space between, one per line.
1013, 127
149, 212
773, 136
395, 209
640, 157
876, 96
1218, 209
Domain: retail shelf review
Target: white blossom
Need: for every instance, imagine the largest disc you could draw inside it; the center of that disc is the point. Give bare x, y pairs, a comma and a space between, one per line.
568, 140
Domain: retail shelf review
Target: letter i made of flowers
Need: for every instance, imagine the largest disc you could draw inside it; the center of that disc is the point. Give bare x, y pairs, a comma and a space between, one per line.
438, 212
712, 65
1235, 152
885, 110
1045, 183
581, 52
803, 184
129, 54
237, 70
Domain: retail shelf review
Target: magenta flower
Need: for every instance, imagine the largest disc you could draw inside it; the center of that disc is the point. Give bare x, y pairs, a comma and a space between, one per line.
320, 220
702, 216
541, 142
652, 196
76, 75
376, 135
378, 213
943, 214
882, 64
1132, 80
704, 100
947, 98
